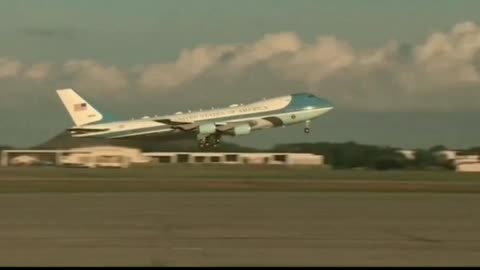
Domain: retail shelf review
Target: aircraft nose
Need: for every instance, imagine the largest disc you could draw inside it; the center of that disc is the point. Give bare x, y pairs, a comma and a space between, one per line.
324, 103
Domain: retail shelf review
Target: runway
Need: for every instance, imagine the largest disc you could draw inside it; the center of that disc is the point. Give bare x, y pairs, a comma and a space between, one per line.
239, 229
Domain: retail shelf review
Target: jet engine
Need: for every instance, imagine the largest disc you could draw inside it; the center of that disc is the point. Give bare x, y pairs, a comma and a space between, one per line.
242, 129
206, 129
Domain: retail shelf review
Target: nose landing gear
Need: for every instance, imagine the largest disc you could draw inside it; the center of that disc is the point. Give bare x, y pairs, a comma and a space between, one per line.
307, 127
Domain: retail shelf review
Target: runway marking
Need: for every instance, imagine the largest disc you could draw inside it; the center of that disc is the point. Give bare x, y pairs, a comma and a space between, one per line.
188, 248
410, 236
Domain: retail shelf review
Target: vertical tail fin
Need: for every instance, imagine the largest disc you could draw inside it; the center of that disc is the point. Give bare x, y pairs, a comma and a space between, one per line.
81, 111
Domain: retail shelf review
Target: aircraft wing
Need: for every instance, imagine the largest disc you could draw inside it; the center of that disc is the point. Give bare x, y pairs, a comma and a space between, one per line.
153, 134
190, 126
185, 126
170, 122
227, 126
78, 130
222, 126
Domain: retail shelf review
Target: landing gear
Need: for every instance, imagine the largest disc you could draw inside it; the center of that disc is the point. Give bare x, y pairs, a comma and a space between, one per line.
307, 127
201, 143
217, 141
209, 141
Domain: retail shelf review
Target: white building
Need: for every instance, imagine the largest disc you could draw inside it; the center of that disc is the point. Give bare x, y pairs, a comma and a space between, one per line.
237, 158
25, 160
122, 157
103, 156
408, 154
445, 155
467, 167
467, 158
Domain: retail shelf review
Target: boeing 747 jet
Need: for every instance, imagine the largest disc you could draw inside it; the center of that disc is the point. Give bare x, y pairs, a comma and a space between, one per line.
207, 126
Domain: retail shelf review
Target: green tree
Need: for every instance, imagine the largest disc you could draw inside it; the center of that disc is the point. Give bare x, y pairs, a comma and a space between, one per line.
424, 159
390, 162
437, 148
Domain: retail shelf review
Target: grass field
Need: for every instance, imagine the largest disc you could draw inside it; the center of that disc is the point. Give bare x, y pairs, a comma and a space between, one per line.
232, 172
232, 178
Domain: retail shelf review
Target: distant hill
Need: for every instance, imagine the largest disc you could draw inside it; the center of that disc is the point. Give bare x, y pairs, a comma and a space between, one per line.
65, 141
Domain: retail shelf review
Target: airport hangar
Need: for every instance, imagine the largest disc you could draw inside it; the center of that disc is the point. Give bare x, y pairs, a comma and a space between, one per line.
113, 156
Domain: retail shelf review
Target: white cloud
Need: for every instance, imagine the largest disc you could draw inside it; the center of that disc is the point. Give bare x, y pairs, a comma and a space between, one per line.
38, 72
439, 72
9, 68
229, 59
449, 57
285, 54
190, 65
90, 74
263, 50
316, 62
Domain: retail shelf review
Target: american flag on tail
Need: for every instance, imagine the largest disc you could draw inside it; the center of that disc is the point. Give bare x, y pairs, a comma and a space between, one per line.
80, 107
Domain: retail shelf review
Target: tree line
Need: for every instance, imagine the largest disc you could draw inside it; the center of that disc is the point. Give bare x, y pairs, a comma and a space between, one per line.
350, 155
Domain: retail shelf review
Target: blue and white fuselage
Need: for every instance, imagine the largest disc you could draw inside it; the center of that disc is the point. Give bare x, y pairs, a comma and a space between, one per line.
206, 125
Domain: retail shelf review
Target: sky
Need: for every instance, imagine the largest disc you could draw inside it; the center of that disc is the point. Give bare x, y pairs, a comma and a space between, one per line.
400, 73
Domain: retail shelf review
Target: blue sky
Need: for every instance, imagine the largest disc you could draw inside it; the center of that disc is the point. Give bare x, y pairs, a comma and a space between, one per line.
128, 56
145, 31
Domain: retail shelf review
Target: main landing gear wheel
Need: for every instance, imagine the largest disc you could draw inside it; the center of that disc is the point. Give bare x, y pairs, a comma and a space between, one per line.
202, 143
217, 141
209, 142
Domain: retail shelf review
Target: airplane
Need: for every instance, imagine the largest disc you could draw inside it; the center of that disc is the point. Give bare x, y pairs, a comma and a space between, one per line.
207, 126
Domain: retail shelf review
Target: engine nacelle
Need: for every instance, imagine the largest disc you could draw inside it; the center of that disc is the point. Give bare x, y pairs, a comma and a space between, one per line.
208, 128
243, 129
